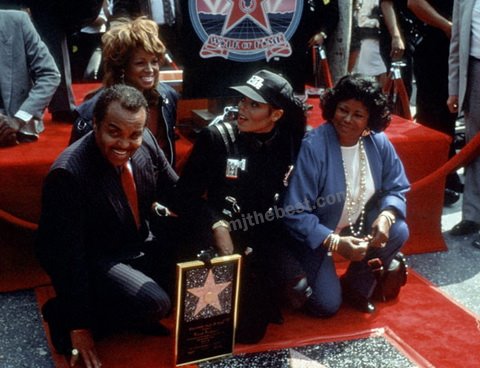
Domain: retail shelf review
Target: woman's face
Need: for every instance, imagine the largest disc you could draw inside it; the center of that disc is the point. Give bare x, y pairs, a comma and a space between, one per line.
143, 70
256, 117
350, 120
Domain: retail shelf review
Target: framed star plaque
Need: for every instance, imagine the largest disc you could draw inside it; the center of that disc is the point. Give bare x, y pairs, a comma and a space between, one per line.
206, 309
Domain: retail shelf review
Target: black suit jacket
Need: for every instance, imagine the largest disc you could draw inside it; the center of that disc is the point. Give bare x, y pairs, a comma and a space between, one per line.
86, 222
136, 8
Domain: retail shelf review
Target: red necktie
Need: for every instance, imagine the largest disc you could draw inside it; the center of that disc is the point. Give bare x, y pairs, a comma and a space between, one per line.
128, 183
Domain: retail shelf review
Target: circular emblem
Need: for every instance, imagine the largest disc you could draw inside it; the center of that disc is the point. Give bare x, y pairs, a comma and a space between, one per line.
245, 30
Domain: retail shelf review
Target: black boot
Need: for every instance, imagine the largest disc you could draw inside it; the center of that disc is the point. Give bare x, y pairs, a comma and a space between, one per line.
355, 300
59, 332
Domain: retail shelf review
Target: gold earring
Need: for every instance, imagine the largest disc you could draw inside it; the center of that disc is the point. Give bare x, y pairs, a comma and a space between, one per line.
366, 132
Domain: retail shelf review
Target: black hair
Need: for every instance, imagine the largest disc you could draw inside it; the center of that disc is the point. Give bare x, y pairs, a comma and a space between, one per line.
293, 122
361, 88
129, 98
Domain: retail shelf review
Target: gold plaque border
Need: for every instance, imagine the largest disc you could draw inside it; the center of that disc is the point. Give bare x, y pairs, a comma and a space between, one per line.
182, 268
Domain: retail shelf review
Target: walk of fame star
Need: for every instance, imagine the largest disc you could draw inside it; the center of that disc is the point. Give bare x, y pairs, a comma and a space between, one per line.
241, 9
208, 293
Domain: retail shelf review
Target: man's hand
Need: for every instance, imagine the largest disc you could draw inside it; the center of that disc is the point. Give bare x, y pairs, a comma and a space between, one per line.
398, 48
84, 347
8, 134
452, 104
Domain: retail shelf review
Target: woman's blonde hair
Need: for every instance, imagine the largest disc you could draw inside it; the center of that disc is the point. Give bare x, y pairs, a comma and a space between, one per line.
119, 42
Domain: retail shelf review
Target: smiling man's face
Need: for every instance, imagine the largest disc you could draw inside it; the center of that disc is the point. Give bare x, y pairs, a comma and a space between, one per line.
120, 133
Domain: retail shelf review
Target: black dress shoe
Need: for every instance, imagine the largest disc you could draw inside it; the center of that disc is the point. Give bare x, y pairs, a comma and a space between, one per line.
59, 333
465, 227
476, 243
355, 300
450, 197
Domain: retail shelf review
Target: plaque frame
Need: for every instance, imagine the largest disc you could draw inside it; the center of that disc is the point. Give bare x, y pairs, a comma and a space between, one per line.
207, 331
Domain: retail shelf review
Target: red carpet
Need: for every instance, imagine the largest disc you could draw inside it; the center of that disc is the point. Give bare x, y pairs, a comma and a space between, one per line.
423, 318
22, 169
422, 151
426, 322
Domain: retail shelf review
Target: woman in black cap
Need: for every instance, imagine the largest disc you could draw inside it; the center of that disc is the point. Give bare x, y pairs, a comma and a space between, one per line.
230, 186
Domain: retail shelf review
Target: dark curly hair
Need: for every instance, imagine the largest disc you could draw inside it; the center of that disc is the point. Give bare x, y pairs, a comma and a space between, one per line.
361, 88
128, 97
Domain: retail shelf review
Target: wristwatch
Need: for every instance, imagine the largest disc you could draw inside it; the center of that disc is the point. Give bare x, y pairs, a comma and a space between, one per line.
221, 223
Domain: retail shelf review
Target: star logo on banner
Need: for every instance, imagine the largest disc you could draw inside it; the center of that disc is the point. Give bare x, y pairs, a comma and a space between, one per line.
298, 360
208, 293
241, 9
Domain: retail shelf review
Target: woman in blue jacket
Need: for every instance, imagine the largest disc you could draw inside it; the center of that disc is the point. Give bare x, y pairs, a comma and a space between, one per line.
347, 195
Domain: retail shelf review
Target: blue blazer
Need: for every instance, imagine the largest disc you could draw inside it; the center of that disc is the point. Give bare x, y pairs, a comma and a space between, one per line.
316, 194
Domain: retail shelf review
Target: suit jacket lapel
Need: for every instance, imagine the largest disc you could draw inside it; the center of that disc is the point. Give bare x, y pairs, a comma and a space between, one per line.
143, 180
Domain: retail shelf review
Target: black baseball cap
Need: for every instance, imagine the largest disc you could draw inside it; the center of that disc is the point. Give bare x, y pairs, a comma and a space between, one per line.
267, 87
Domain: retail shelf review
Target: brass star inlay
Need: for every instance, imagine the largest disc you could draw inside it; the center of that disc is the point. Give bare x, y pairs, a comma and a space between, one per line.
208, 293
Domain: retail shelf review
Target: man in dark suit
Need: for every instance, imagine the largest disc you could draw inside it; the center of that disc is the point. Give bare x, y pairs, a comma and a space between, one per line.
96, 238
430, 67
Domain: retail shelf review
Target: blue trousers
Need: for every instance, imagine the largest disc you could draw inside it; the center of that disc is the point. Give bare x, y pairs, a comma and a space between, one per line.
326, 298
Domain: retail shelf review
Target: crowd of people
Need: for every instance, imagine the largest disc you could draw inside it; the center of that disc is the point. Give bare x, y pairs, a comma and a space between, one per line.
111, 258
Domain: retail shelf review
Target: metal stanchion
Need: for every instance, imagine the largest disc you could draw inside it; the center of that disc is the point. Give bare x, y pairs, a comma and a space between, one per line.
321, 71
395, 90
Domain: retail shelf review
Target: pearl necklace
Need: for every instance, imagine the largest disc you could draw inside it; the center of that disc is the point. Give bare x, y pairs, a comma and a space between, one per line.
353, 205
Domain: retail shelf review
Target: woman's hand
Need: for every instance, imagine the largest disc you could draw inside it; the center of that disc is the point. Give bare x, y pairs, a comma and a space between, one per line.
84, 346
223, 241
353, 249
380, 230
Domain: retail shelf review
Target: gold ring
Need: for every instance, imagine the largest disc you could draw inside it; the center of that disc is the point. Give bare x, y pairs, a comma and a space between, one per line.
75, 352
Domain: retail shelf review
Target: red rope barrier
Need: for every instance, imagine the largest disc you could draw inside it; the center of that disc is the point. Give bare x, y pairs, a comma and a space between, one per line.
462, 158
14, 220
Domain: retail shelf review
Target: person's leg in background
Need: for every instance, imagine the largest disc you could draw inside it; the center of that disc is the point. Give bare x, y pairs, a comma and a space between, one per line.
431, 75
48, 23
471, 194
